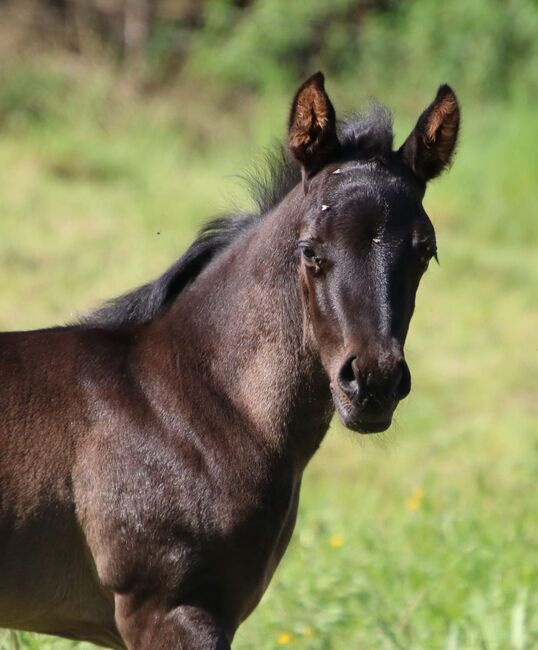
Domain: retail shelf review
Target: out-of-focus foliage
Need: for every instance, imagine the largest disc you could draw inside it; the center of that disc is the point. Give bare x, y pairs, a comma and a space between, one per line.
488, 45
279, 41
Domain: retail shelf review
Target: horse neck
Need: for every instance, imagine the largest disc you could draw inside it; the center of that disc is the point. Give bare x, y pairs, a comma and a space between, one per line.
241, 325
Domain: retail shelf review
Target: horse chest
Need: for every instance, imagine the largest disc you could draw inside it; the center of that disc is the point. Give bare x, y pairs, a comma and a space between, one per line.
193, 532
253, 547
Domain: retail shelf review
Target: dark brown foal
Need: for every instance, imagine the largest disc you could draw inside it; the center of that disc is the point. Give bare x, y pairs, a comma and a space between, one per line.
151, 456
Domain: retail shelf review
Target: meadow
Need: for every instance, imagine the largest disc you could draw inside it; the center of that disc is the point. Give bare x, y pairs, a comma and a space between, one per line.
424, 538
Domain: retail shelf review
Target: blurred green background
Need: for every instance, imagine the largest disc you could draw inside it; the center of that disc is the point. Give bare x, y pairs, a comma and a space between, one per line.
124, 125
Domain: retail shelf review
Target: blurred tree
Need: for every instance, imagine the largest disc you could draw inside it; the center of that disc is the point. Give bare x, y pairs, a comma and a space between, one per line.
490, 45
138, 16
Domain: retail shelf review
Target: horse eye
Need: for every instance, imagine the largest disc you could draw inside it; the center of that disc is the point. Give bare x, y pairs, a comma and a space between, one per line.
308, 252
424, 261
426, 256
311, 258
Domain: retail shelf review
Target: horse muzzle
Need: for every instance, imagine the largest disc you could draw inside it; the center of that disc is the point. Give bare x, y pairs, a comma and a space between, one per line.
366, 398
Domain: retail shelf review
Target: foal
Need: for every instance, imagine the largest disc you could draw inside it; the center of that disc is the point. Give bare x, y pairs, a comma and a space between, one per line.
151, 456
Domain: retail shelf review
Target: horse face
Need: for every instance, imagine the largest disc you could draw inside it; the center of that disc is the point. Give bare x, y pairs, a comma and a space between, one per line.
364, 244
362, 257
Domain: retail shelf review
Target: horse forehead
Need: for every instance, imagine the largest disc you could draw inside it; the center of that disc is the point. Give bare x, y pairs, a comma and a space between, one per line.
370, 183
365, 208
369, 197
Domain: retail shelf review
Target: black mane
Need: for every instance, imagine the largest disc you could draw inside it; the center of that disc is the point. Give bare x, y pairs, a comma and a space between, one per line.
362, 135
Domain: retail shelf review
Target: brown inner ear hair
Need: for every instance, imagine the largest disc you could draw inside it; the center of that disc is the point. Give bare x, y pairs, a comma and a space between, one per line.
429, 148
443, 126
312, 125
310, 118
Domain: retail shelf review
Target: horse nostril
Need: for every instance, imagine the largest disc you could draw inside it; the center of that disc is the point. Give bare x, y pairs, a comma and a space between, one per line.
404, 382
347, 379
359, 385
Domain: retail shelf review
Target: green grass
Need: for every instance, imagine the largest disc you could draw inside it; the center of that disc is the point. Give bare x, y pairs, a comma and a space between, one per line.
424, 538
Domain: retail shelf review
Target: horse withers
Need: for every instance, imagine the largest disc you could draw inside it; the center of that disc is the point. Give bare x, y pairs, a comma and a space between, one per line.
152, 454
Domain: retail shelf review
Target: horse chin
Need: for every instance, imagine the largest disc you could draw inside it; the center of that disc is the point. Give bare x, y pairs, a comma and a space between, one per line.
352, 418
364, 427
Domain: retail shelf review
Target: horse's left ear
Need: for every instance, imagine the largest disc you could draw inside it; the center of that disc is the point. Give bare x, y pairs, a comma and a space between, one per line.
429, 148
312, 126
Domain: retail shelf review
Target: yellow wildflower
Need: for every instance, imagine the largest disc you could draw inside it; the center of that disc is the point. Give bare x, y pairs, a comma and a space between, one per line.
414, 502
336, 541
284, 638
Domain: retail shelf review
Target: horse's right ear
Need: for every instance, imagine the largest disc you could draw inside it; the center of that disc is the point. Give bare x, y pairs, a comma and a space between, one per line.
312, 127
